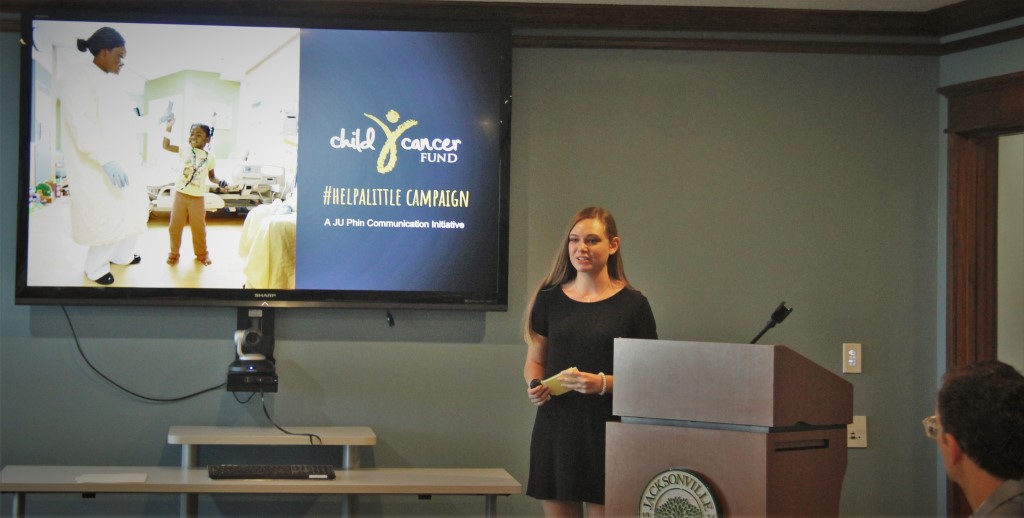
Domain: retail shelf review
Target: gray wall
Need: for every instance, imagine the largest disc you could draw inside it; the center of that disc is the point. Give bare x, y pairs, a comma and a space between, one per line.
738, 179
1010, 261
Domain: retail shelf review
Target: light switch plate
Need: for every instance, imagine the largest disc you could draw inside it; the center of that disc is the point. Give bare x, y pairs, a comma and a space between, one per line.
853, 358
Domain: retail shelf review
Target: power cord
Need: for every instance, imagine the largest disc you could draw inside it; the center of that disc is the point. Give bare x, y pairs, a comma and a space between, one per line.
319, 441
314, 439
119, 386
235, 394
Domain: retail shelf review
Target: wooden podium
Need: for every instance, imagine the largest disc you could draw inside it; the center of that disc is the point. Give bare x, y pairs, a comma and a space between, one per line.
763, 427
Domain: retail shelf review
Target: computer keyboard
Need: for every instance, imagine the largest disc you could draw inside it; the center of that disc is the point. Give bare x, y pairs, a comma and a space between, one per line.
271, 471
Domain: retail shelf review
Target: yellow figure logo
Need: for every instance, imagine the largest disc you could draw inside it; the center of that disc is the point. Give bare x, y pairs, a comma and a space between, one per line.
389, 151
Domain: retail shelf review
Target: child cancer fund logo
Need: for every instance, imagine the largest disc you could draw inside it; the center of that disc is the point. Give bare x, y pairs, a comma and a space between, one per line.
431, 150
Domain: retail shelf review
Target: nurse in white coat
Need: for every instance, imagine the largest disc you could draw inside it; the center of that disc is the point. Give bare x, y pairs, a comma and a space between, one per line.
109, 208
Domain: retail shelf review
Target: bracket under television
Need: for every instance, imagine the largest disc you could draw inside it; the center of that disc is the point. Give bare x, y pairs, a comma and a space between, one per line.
254, 369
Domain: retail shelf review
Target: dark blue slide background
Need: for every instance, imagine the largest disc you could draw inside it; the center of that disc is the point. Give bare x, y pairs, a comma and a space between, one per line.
451, 84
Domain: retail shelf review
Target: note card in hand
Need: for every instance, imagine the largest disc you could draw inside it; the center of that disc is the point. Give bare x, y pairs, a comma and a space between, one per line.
555, 386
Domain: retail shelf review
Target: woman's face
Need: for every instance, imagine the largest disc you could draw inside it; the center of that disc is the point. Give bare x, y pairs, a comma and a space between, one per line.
111, 60
590, 246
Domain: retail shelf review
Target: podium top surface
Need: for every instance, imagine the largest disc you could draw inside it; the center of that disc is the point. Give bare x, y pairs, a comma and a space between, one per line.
720, 383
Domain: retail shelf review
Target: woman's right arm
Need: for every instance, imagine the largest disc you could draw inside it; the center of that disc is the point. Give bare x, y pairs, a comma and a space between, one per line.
536, 357
536, 354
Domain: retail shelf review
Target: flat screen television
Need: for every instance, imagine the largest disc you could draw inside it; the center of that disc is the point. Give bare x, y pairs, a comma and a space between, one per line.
395, 134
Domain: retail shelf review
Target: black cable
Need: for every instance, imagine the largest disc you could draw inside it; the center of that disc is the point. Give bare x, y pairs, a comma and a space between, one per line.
314, 439
248, 399
319, 440
114, 383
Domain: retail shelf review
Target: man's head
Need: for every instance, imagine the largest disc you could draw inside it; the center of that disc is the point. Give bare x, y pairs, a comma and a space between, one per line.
980, 414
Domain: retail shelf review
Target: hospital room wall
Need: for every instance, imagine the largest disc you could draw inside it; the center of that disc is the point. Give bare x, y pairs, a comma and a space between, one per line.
200, 94
268, 109
738, 179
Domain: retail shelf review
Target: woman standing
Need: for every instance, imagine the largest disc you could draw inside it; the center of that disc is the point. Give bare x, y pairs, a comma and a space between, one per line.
108, 210
583, 304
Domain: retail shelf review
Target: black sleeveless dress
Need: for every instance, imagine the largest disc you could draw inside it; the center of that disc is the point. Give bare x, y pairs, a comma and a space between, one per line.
567, 448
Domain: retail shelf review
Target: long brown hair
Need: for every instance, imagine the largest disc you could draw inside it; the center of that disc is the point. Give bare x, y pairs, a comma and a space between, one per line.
562, 271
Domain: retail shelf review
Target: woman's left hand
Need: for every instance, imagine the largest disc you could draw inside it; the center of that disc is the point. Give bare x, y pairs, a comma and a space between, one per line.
579, 381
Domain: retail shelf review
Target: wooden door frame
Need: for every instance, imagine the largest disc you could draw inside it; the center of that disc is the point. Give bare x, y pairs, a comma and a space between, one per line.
979, 113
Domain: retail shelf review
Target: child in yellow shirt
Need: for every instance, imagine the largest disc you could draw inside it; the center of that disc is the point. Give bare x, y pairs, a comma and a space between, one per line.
189, 205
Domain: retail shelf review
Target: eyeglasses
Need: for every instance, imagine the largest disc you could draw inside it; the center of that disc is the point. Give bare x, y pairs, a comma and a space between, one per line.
932, 428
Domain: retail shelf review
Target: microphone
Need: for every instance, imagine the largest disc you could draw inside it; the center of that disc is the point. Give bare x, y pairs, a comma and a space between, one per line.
777, 317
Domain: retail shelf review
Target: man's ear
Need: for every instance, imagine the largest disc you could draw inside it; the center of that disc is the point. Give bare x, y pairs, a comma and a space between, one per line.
954, 452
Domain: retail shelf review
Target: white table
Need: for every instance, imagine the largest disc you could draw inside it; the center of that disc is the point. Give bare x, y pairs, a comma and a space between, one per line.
486, 482
350, 438
192, 437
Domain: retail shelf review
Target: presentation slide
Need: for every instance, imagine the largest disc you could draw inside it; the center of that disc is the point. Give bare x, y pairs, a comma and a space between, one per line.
350, 161
399, 180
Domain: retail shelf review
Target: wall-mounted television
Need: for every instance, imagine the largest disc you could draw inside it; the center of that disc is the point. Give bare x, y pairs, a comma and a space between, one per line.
354, 165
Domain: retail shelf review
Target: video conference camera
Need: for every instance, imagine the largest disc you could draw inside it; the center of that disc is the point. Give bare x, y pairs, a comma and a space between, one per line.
253, 369
248, 340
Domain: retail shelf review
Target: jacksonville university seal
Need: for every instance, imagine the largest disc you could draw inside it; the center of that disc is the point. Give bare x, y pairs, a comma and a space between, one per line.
678, 493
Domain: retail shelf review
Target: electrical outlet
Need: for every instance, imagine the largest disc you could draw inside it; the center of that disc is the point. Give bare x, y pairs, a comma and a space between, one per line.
857, 432
853, 358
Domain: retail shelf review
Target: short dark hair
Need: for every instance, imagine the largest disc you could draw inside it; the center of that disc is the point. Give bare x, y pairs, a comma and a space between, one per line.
982, 406
206, 129
103, 38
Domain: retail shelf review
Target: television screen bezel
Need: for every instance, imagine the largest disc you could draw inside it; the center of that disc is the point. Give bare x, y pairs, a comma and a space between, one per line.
496, 300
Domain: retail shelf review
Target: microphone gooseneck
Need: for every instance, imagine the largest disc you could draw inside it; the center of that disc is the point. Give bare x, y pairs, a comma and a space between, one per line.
780, 314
